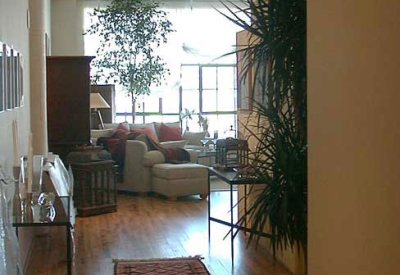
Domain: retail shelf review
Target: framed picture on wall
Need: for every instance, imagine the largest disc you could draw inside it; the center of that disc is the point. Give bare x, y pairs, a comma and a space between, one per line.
9, 82
20, 79
14, 92
1, 78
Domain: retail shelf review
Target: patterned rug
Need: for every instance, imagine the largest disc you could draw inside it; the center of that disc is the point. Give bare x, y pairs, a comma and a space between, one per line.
165, 266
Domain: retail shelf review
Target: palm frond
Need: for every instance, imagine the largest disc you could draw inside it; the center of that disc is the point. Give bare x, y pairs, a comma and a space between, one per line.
276, 56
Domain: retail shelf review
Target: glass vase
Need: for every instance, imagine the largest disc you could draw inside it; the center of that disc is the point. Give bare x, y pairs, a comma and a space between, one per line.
16, 200
37, 172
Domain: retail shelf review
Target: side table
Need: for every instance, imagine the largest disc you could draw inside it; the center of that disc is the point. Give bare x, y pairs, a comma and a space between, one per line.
95, 190
231, 178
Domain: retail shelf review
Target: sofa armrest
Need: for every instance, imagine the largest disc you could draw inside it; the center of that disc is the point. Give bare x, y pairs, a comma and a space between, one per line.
138, 154
192, 154
153, 157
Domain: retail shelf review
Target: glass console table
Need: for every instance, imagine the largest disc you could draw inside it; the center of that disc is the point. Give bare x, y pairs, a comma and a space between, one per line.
63, 217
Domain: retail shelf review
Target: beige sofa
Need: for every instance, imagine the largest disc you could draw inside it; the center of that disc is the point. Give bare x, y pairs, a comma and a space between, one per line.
190, 140
142, 168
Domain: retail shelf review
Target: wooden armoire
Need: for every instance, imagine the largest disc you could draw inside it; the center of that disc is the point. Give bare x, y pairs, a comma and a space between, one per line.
68, 103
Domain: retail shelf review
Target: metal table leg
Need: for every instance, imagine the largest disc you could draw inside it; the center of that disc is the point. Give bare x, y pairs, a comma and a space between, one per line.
69, 260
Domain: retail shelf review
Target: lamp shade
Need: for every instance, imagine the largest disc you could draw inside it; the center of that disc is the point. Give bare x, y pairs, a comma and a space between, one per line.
97, 101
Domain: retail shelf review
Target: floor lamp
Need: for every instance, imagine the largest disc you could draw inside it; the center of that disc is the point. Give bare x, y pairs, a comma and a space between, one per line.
98, 102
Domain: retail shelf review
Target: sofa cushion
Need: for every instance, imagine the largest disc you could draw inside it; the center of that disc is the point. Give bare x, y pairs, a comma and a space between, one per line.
179, 171
112, 126
153, 157
148, 130
169, 133
173, 144
194, 138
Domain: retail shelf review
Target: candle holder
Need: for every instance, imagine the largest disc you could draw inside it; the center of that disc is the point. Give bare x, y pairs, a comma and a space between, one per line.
17, 206
37, 172
28, 213
22, 177
16, 172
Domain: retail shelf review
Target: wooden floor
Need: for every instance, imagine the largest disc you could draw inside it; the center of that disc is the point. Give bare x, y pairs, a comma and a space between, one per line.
151, 227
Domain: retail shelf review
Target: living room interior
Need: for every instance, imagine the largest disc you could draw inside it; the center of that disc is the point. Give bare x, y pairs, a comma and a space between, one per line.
353, 157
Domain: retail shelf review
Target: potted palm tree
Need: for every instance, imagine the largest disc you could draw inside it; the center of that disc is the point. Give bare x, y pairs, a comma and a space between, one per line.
276, 57
129, 32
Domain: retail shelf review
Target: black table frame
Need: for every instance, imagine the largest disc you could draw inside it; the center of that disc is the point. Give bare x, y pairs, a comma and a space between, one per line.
232, 178
62, 206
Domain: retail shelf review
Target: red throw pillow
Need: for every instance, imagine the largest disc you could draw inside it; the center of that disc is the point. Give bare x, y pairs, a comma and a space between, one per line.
169, 133
123, 126
144, 130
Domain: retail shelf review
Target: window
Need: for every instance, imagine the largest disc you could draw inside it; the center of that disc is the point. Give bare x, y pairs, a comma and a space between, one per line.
200, 79
213, 97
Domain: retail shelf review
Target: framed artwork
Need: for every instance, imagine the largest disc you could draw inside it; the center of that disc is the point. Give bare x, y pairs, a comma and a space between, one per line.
1, 78
15, 77
20, 80
9, 78
13, 98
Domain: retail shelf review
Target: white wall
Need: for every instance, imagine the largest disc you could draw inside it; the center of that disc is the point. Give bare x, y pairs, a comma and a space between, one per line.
14, 32
354, 137
66, 28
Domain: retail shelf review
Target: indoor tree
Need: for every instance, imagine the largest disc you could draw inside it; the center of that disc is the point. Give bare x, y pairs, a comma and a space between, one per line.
130, 31
276, 58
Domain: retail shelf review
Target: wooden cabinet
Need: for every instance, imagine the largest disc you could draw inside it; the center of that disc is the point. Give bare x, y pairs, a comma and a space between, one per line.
68, 102
95, 187
107, 91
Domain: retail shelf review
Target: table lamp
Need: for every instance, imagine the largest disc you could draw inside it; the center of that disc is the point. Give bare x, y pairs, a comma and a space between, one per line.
98, 102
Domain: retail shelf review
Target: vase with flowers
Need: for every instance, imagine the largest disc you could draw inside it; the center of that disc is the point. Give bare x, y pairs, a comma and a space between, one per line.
203, 123
187, 115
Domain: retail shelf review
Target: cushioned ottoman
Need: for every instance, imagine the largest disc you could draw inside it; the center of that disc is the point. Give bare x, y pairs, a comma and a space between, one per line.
176, 180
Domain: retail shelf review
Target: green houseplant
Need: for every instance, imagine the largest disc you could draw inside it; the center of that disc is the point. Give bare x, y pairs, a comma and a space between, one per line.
130, 31
276, 57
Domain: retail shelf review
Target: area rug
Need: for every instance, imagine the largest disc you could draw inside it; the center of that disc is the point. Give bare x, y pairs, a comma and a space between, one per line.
165, 266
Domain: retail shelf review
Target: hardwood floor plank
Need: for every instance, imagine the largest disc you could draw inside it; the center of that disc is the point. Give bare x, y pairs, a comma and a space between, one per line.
151, 227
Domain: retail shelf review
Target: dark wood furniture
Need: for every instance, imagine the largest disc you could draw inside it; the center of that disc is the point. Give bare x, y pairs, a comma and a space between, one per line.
95, 182
107, 91
95, 190
68, 102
